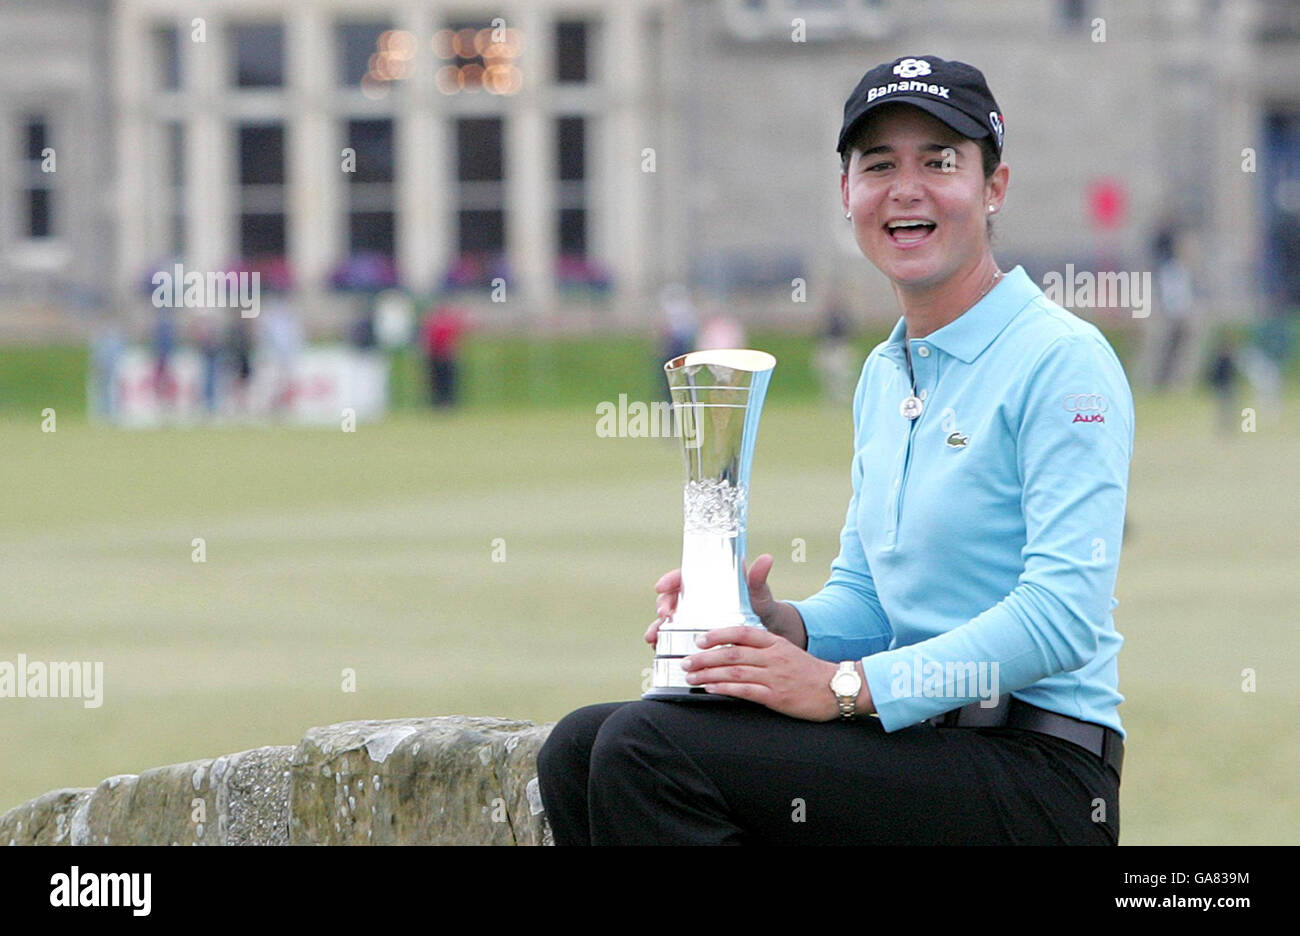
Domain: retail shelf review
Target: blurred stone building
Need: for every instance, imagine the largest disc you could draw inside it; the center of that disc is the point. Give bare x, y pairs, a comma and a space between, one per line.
58, 231
585, 152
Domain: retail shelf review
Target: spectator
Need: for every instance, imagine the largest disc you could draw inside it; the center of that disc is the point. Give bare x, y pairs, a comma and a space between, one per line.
106, 351
1222, 377
164, 343
679, 325
207, 336
1175, 288
442, 331
722, 331
282, 334
361, 334
238, 353
834, 359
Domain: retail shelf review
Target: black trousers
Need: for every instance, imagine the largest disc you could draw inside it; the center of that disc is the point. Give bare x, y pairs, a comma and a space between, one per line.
734, 772
442, 381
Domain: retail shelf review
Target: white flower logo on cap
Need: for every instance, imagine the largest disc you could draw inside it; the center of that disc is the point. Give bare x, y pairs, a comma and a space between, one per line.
912, 68
995, 121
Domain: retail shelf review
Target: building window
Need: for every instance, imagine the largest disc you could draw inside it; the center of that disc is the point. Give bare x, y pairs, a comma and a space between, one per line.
260, 149
373, 56
371, 219
258, 55
570, 52
480, 173
571, 190
357, 43
477, 57
166, 57
37, 193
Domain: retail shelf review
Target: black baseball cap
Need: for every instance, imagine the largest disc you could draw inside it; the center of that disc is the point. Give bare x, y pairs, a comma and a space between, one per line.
954, 92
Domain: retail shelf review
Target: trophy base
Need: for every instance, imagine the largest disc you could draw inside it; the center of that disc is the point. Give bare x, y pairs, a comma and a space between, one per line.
669, 679
684, 694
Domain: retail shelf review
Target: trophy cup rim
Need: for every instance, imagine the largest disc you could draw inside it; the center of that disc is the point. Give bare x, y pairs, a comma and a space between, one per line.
746, 359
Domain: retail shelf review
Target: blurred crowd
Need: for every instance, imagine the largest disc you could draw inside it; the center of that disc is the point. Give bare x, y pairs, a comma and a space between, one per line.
252, 366
836, 360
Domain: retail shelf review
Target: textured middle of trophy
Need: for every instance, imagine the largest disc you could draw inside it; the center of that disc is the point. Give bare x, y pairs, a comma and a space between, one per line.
717, 397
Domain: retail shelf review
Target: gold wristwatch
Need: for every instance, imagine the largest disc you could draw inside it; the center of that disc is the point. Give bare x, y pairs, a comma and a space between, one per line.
846, 684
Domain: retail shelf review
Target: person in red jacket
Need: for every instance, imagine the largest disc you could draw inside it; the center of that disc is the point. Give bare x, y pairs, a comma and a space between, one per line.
441, 332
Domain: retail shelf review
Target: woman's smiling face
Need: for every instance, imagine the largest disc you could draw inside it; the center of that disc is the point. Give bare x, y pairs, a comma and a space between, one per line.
919, 198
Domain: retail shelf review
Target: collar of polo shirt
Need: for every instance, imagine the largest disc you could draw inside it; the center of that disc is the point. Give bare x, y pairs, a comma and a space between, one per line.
966, 336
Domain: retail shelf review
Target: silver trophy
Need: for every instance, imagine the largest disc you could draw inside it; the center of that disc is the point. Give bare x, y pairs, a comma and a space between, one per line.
717, 397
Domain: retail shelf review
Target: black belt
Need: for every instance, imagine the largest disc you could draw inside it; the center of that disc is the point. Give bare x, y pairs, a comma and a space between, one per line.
1011, 712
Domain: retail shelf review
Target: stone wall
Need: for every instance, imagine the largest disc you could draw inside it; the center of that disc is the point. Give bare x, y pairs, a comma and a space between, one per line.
410, 781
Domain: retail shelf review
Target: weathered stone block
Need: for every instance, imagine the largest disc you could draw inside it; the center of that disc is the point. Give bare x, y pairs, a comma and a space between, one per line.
46, 820
452, 780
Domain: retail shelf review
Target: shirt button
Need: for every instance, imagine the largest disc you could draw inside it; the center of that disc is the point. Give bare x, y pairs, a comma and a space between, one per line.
923, 350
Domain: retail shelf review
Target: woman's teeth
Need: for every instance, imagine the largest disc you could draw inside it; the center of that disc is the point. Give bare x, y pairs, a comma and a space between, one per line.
910, 233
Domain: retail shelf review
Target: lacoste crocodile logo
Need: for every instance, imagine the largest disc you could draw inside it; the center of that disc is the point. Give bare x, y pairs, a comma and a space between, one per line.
957, 440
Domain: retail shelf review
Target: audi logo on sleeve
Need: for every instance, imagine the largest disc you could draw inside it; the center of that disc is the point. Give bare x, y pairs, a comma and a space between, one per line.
1086, 407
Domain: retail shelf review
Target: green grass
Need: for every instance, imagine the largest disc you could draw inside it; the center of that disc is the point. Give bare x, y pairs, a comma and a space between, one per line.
32, 378
374, 551
497, 371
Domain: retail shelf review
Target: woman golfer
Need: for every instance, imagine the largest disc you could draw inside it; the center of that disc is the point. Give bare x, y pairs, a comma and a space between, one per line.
955, 680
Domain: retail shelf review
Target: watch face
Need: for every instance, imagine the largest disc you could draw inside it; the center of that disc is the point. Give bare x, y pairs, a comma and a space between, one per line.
846, 684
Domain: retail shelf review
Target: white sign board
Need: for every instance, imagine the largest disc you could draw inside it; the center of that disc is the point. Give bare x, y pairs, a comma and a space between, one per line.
314, 388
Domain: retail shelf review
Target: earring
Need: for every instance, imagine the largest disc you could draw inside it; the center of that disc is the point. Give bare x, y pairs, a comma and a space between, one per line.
848, 216
992, 208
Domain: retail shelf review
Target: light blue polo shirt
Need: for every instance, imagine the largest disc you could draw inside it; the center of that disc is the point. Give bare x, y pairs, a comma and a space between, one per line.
982, 539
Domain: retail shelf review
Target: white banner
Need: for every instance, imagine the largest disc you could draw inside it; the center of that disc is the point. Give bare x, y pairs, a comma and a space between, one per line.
314, 388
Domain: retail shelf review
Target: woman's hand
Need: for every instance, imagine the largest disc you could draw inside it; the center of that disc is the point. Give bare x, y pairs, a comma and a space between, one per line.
669, 587
766, 668
776, 616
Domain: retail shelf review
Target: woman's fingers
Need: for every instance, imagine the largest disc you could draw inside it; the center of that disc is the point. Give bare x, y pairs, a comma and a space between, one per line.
754, 692
753, 664
669, 584
758, 572
727, 663
739, 635
668, 587
669, 581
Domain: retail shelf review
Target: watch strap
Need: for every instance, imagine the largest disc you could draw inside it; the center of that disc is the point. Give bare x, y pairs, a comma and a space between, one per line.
848, 703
